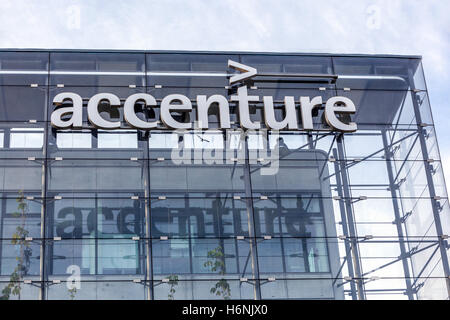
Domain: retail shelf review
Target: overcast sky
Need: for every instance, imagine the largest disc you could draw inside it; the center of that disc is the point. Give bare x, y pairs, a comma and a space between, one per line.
335, 26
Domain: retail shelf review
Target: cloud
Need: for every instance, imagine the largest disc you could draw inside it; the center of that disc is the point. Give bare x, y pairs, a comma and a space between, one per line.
337, 26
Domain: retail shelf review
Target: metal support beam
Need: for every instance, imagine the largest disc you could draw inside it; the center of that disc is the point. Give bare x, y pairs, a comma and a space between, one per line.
443, 245
251, 224
408, 254
347, 245
398, 224
350, 220
419, 274
371, 155
406, 158
148, 231
42, 264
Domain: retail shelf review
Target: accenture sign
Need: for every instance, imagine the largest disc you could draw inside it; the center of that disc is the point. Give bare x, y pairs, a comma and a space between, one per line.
180, 103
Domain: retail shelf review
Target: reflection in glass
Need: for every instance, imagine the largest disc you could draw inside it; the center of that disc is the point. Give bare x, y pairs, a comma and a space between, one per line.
73, 140
121, 140
29, 138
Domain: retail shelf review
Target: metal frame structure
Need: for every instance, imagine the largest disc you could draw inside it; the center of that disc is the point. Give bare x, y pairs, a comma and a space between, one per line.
354, 275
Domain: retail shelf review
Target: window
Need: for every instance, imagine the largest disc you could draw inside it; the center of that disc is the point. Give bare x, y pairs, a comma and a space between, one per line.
121, 140
29, 138
73, 140
162, 140
203, 140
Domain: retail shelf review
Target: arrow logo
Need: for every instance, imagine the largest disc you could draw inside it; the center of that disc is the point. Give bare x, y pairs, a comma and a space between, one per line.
247, 72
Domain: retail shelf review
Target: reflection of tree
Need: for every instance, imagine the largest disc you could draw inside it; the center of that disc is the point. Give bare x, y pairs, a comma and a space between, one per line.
23, 260
72, 292
173, 282
216, 263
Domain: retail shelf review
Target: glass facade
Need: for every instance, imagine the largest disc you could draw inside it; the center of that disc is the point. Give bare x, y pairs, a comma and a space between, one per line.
98, 214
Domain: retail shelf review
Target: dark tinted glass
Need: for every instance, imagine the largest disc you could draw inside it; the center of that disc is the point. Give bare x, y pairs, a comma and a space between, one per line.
376, 73
200, 215
288, 64
23, 68
97, 69
96, 218
194, 70
22, 103
380, 106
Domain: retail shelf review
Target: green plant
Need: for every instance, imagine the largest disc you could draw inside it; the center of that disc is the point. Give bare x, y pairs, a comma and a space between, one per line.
23, 259
216, 263
72, 292
173, 282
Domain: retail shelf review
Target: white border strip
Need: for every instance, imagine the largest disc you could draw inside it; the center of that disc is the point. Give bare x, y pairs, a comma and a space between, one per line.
118, 73
172, 74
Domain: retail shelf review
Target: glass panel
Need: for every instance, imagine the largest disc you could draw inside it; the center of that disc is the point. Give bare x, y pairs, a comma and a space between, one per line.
299, 216
26, 138
419, 78
115, 289
202, 290
375, 210
377, 107
289, 255
431, 144
124, 176
97, 256
96, 144
27, 291
23, 68
97, 69
375, 73
73, 140
22, 103
95, 218
20, 257
201, 215
188, 70
434, 288
299, 289
20, 216
167, 176
368, 173
290, 176
22, 175
362, 145
163, 140
270, 67
190, 91
118, 140
201, 258
288, 63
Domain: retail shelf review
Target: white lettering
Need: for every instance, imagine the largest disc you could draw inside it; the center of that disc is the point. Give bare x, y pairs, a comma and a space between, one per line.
335, 107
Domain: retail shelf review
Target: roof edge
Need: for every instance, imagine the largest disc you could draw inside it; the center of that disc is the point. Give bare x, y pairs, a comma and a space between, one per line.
214, 52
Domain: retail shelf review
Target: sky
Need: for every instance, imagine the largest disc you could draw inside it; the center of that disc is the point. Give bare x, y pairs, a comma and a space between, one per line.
333, 26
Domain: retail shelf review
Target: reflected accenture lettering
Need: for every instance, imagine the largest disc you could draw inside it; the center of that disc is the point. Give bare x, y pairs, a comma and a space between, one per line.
334, 108
74, 222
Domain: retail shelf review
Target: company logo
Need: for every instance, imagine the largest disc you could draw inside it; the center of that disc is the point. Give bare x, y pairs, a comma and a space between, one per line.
333, 109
